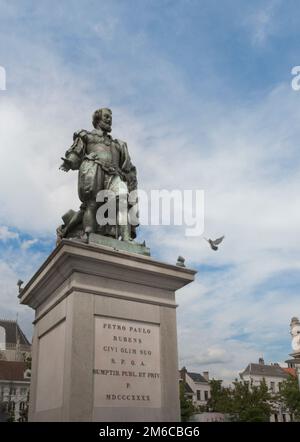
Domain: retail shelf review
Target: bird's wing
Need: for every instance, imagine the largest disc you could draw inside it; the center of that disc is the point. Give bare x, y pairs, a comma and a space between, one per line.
218, 240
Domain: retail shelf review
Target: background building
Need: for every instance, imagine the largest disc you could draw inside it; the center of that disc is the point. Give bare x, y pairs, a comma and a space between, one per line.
197, 387
15, 363
14, 390
14, 346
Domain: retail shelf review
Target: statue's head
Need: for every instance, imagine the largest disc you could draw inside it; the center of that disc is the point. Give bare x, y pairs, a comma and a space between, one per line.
102, 119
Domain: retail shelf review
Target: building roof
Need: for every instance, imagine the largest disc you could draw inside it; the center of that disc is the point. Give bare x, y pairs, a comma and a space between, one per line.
12, 331
12, 370
187, 388
197, 377
291, 371
264, 370
293, 361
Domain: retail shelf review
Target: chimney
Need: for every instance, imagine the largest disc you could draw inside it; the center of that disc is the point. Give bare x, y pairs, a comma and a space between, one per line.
183, 373
261, 361
206, 375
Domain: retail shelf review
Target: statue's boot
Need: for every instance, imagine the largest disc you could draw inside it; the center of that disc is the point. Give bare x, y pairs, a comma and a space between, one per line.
122, 224
125, 233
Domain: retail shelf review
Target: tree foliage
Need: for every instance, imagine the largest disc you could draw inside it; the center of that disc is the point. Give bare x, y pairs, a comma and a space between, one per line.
290, 396
219, 397
186, 406
11, 416
243, 402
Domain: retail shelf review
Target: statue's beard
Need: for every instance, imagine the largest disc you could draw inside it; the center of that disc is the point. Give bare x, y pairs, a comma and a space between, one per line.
105, 126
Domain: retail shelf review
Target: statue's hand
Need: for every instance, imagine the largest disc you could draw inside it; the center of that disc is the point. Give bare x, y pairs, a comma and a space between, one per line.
65, 167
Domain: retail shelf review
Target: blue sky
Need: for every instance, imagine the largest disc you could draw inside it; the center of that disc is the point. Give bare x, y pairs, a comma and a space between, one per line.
201, 91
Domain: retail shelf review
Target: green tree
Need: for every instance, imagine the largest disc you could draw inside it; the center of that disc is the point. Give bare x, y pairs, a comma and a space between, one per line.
11, 416
186, 406
243, 402
27, 360
3, 412
220, 399
290, 396
250, 403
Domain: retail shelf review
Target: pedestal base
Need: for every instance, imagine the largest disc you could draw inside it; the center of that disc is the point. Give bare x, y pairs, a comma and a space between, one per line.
105, 342
126, 246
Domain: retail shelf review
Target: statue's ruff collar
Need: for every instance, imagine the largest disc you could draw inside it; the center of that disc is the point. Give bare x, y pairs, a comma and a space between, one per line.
101, 133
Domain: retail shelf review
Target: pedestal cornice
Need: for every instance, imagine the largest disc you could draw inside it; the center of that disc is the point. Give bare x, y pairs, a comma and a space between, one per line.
73, 257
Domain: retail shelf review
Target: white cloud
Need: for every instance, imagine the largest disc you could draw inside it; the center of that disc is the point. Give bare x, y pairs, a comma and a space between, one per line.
107, 28
28, 243
245, 159
249, 198
262, 23
9, 305
6, 234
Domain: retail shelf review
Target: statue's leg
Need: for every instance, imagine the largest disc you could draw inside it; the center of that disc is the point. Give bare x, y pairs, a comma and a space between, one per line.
89, 182
89, 218
121, 192
122, 221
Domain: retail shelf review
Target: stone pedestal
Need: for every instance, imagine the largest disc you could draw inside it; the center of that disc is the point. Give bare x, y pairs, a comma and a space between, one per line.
105, 343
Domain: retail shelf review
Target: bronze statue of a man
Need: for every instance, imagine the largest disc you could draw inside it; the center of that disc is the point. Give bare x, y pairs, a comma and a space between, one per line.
104, 164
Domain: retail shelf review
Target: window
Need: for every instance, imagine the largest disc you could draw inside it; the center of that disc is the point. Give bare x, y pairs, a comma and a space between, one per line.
279, 386
12, 391
27, 374
275, 418
4, 406
272, 387
198, 395
2, 338
206, 395
22, 406
23, 391
283, 418
11, 406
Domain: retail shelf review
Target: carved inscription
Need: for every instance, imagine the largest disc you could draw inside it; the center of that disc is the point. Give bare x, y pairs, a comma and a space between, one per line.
127, 364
